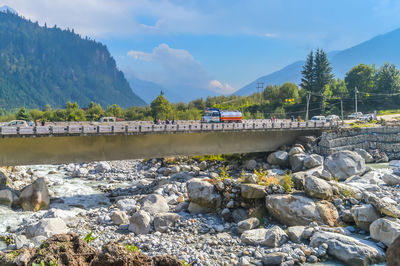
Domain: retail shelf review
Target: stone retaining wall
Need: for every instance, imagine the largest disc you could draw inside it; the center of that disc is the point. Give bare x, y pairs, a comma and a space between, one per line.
384, 139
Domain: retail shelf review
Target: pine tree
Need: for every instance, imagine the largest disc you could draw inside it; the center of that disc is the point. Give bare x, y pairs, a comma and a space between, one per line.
322, 71
307, 81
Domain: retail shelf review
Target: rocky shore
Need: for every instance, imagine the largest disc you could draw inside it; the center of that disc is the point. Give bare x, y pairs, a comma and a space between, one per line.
289, 207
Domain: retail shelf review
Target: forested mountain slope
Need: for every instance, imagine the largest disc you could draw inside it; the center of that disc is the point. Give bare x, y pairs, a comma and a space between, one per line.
41, 65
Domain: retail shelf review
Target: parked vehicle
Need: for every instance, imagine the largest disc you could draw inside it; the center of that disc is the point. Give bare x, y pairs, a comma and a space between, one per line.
318, 118
107, 119
367, 117
214, 115
332, 118
355, 115
17, 123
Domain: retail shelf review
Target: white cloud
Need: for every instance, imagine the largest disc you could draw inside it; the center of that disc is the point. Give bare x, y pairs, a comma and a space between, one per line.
178, 69
218, 87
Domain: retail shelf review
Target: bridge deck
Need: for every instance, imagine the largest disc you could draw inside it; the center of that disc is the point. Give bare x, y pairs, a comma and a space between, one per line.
131, 129
83, 143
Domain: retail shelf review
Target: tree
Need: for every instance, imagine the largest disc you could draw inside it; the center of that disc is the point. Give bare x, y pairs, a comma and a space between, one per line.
94, 111
388, 79
36, 114
339, 89
361, 77
22, 114
322, 71
114, 110
288, 91
307, 81
160, 107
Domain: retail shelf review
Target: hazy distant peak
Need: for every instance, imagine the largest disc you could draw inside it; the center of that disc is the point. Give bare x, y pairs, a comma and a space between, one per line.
6, 9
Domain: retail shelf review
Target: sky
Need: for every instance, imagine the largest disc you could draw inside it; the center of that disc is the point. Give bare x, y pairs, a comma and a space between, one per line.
220, 45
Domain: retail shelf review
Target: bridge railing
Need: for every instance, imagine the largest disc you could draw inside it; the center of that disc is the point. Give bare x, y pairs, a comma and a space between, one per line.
119, 128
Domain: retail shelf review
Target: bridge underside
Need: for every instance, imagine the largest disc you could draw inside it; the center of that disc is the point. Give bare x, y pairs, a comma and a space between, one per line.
69, 149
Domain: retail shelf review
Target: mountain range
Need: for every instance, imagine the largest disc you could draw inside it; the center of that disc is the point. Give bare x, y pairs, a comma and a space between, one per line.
41, 65
378, 50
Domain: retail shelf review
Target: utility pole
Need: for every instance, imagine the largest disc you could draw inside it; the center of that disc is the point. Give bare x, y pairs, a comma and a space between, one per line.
355, 92
260, 85
308, 102
341, 107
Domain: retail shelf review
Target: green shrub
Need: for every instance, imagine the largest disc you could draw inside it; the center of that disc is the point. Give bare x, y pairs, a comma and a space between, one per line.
288, 182
89, 237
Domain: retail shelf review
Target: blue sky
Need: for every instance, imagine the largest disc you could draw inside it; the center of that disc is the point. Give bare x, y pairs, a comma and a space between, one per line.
219, 45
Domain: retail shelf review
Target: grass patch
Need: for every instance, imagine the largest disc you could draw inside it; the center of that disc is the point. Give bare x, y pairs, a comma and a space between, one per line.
389, 112
287, 182
132, 248
89, 237
263, 178
213, 158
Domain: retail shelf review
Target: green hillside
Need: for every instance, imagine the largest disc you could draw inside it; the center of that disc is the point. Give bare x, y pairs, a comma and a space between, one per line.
41, 65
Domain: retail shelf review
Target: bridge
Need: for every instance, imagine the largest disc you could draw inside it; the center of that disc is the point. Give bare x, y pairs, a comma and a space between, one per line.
119, 141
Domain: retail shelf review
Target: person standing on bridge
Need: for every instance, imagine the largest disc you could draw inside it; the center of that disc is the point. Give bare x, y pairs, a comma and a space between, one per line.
273, 119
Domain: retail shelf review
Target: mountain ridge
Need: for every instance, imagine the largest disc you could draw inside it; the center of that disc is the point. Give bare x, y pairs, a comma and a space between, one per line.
376, 50
41, 65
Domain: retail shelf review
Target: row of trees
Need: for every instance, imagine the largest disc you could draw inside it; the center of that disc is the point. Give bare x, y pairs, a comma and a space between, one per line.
378, 88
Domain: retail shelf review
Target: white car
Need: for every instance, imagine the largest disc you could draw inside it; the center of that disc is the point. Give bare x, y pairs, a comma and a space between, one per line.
17, 123
318, 118
355, 115
332, 118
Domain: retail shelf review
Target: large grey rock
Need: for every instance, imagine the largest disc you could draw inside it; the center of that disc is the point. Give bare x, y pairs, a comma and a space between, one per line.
296, 150
119, 217
203, 193
293, 210
393, 253
347, 190
278, 158
68, 216
295, 232
35, 196
21, 241
317, 188
127, 205
6, 197
250, 164
365, 155
344, 164
139, 223
273, 237
103, 167
313, 160
348, 249
252, 191
46, 227
391, 180
4, 179
248, 224
381, 205
195, 208
385, 230
239, 214
364, 215
296, 161
203, 165
298, 180
154, 203
163, 221
274, 258
80, 172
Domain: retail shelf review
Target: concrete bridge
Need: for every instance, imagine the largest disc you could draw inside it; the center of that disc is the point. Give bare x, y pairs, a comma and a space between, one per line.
119, 141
